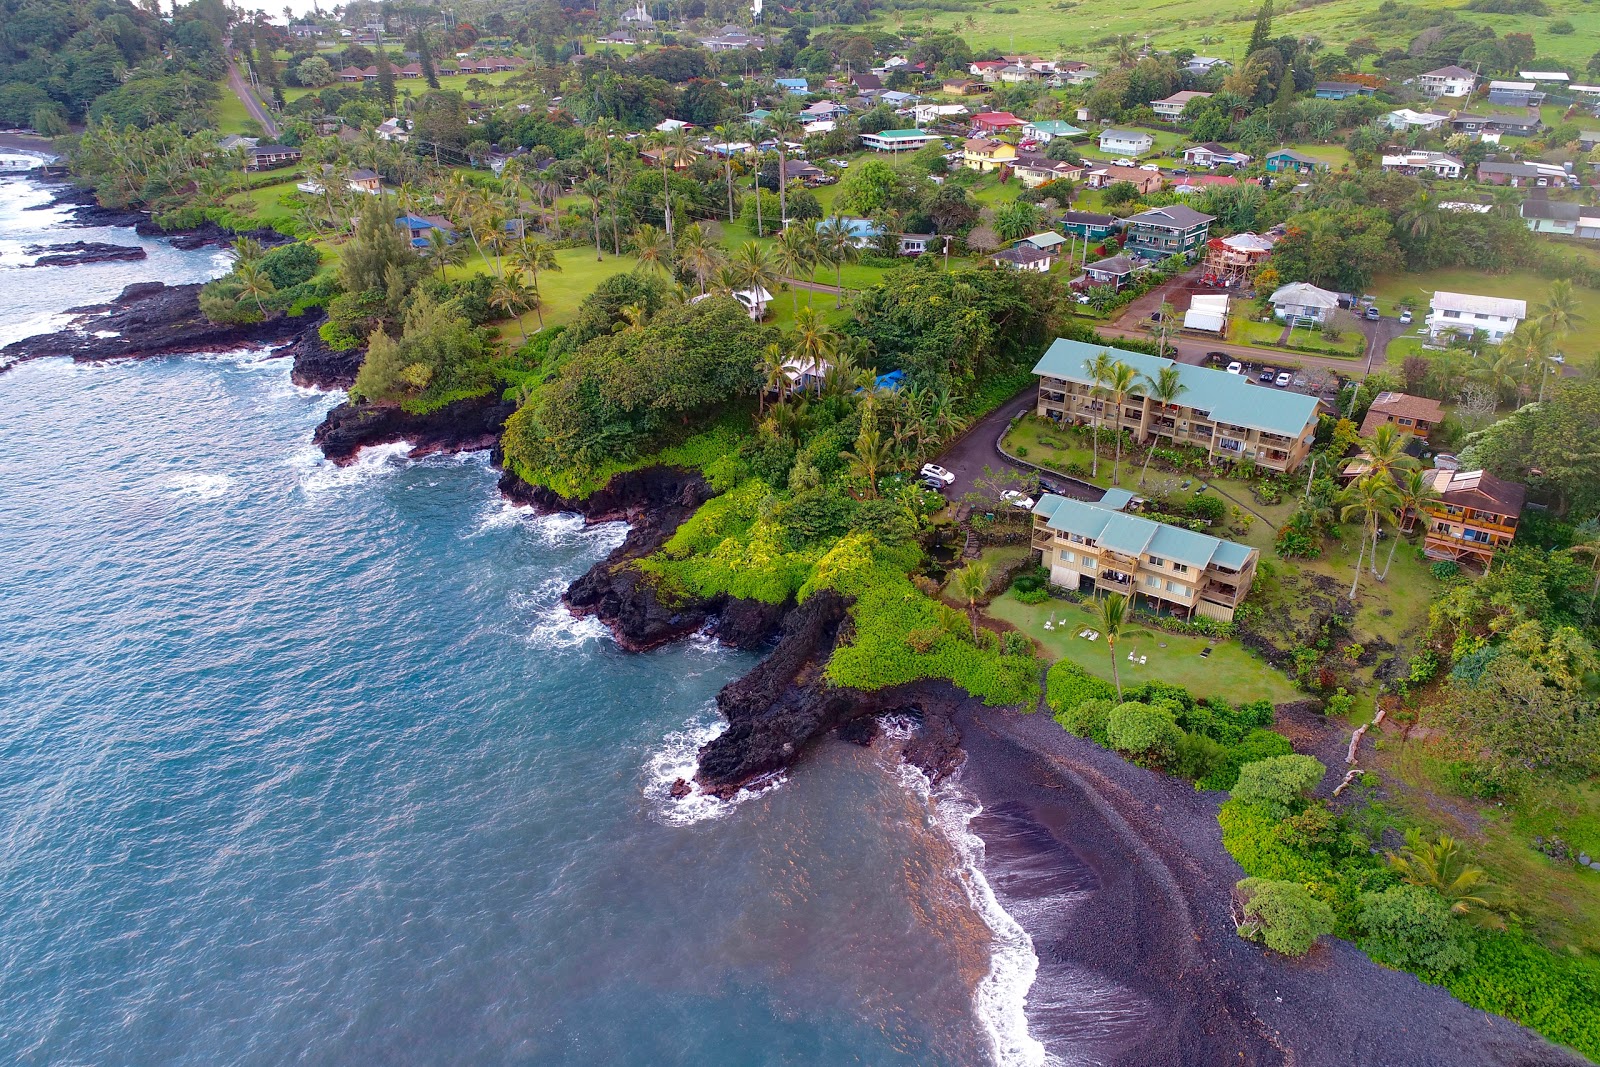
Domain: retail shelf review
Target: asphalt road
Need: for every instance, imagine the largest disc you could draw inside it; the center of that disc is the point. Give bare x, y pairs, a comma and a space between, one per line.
976, 449
241, 89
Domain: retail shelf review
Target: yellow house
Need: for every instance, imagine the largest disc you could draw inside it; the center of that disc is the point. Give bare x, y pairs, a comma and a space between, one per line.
982, 155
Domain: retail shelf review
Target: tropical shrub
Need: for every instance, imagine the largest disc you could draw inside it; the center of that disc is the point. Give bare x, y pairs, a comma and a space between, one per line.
1284, 916
1410, 927
1278, 784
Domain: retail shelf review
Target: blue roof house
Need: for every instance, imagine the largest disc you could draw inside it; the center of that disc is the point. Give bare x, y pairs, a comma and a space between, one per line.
417, 227
862, 231
792, 86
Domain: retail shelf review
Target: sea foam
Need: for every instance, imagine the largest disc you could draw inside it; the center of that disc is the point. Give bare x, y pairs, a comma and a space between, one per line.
679, 757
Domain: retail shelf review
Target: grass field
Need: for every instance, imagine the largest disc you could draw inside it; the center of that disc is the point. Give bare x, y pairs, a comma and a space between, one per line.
417, 86
231, 115
1519, 284
1069, 29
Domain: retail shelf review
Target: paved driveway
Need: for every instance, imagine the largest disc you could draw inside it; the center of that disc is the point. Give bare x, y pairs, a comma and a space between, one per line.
977, 449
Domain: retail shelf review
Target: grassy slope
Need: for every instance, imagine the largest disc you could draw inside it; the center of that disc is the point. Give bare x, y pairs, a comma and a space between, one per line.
1520, 284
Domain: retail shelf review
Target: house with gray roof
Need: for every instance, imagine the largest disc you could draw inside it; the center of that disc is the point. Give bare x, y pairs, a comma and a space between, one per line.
1171, 230
1102, 548
1226, 414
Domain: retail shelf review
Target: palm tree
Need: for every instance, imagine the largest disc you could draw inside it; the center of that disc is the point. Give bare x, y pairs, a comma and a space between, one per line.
1370, 498
814, 340
1560, 310
836, 245
1420, 218
699, 252
1529, 347
594, 188
1164, 389
442, 250
601, 134
1441, 865
756, 270
651, 245
969, 584
726, 134
1386, 451
1413, 489
532, 258
510, 295
784, 126
1586, 542
1110, 611
793, 255
1098, 370
774, 370
253, 282
1498, 370
870, 456
1122, 380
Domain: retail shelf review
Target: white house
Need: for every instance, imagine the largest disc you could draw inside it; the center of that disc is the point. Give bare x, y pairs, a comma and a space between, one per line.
1302, 302
1126, 142
1404, 118
1171, 108
1463, 314
1046, 130
1212, 154
1447, 81
1208, 312
1437, 164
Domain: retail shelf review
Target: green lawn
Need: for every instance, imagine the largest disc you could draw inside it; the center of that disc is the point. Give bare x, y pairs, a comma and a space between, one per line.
231, 114
1390, 289
418, 86
1231, 671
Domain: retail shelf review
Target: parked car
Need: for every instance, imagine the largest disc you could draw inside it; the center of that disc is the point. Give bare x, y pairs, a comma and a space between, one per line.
1124, 162
1371, 313
1265, 376
1236, 367
842, 163
1150, 167
1017, 500
1405, 316
934, 473
1282, 381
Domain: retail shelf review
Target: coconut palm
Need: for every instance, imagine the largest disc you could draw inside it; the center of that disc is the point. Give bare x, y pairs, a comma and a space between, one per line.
1371, 499
794, 254
725, 133
870, 457
785, 127
1098, 370
1386, 451
773, 367
1441, 865
1164, 389
651, 247
253, 282
1110, 612
836, 246
699, 251
443, 251
1119, 383
969, 584
512, 296
1528, 347
595, 189
756, 269
1413, 490
1586, 542
1559, 312
814, 339
533, 257
1498, 370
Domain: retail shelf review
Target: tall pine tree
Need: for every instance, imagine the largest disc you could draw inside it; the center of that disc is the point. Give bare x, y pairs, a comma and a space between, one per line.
1262, 34
385, 77
425, 58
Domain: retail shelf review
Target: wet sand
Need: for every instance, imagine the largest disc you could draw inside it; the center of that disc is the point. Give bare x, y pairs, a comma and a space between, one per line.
1119, 876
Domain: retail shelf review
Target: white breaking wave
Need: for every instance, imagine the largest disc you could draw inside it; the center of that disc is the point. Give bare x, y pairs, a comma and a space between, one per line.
679, 757
201, 486
557, 530
319, 475
1001, 998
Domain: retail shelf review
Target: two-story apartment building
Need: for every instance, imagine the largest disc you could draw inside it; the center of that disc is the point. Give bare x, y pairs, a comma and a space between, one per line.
1225, 414
896, 140
1170, 109
983, 154
1474, 515
1101, 548
1463, 315
1450, 81
1090, 224
1172, 230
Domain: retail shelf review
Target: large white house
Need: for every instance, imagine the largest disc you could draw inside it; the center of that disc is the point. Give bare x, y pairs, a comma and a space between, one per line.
1447, 81
1462, 315
1126, 142
1302, 302
1437, 164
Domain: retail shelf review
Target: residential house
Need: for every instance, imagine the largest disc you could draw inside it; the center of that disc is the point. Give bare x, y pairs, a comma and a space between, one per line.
1133, 143
862, 231
1099, 547
354, 74
1089, 225
730, 39
792, 86
392, 129
1211, 154
867, 83
1102, 175
961, 86
1515, 94
896, 99
1170, 108
1017, 74
1341, 90
1588, 94
758, 116
234, 142
1436, 164
1520, 124
1203, 65
823, 111
1556, 77
994, 123
896, 140
1115, 271
1452, 81
1406, 119
1588, 140
1415, 415
1046, 130
1172, 230
1562, 217
928, 114
418, 227
987, 69
1080, 74
1463, 315
302, 30
618, 37
1233, 261
1288, 161
1024, 257
915, 244
1301, 303
1034, 170
1474, 515
1048, 241
268, 156
799, 170
1225, 414
357, 181
983, 154
754, 301
1530, 174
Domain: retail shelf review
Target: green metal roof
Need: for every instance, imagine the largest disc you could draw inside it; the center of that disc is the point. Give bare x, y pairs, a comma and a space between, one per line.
901, 135
1228, 397
1136, 536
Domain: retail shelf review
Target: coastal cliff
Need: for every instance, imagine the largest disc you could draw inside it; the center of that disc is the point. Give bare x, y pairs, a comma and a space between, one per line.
462, 426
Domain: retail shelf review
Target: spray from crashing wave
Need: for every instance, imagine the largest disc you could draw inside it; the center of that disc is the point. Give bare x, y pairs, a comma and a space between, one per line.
678, 760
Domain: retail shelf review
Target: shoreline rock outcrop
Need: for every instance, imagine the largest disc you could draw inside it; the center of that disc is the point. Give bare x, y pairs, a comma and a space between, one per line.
463, 426
76, 253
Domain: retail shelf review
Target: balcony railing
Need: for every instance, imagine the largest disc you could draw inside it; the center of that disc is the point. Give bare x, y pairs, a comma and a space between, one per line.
1220, 594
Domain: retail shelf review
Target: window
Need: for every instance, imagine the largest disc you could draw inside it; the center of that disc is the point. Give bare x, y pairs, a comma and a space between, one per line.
1452, 314
1181, 568
1174, 587
1406, 422
1066, 557
1153, 582
1088, 563
1157, 561
1077, 539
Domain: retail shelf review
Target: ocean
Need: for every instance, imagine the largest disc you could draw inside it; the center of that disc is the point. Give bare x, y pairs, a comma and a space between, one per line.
309, 764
